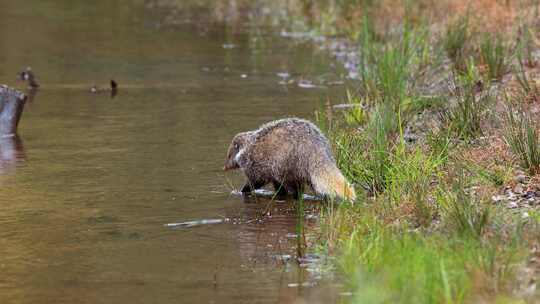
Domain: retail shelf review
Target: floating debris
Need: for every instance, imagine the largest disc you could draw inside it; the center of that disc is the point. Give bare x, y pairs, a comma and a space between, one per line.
229, 45
284, 257
304, 284
347, 106
309, 259
293, 285
190, 224
335, 83
306, 84
284, 75
286, 82
296, 34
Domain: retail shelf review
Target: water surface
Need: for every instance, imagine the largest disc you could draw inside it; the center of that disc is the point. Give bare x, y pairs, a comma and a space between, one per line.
86, 188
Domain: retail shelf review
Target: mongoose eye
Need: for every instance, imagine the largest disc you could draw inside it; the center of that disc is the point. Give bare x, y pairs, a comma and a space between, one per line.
236, 146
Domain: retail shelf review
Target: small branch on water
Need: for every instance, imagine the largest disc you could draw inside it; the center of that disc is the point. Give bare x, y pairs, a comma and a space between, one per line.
190, 224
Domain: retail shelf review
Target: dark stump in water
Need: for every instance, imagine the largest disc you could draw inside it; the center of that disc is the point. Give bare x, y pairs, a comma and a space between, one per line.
11, 108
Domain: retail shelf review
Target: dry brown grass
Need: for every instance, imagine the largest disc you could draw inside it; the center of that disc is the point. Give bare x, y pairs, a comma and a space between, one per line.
492, 151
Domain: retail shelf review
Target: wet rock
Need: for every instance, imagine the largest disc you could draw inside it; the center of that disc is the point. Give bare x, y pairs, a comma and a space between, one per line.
529, 195
498, 198
512, 197
512, 205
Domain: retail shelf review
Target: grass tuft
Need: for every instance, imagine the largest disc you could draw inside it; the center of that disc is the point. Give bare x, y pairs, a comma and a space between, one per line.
465, 117
493, 54
521, 135
467, 215
456, 42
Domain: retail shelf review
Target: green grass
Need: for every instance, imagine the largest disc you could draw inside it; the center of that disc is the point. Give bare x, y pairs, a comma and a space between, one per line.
388, 69
456, 42
529, 91
425, 229
526, 46
390, 264
369, 170
463, 211
521, 135
493, 54
465, 117
425, 236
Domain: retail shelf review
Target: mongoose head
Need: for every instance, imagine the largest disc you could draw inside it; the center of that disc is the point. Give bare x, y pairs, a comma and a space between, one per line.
236, 150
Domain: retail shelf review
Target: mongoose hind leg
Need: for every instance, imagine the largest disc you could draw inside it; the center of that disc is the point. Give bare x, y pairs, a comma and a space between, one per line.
251, 186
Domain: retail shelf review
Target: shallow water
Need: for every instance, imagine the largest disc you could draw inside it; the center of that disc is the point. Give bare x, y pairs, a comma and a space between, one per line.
87, 187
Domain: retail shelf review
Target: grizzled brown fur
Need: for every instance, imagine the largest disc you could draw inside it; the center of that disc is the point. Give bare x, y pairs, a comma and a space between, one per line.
289, 153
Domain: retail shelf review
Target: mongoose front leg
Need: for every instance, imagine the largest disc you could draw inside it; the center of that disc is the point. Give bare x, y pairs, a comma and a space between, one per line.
251, 186
280, 189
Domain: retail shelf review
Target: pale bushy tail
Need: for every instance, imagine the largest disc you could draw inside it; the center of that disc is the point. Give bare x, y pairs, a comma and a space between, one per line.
329, 181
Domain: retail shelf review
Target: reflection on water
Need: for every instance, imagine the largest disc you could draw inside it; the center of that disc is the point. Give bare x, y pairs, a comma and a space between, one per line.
11, 153
83, 219
31, 94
